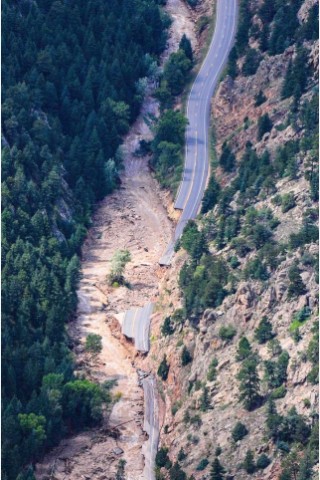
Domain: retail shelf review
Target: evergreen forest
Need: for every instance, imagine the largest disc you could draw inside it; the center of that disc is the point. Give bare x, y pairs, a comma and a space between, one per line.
73, 80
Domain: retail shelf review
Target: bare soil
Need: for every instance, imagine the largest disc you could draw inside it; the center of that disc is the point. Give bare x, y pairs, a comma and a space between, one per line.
133, 217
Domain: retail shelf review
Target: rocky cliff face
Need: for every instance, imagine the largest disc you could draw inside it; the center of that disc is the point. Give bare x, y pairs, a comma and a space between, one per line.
202, 396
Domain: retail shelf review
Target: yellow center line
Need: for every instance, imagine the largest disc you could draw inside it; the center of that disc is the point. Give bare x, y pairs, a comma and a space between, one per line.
194, 170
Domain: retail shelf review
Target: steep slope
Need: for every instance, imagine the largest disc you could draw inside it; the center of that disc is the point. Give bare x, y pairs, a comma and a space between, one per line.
73, 81
239, 306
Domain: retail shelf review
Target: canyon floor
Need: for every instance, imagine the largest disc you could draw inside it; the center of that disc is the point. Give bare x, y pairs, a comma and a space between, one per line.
134, 217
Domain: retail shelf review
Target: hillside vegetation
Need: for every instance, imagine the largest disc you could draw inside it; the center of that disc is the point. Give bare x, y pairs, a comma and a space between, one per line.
74, 75
241, 346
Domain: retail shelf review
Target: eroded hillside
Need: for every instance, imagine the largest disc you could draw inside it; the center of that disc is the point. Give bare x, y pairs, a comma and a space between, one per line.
239, 307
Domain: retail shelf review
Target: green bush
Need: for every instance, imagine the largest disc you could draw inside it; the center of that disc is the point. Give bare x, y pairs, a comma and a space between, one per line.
279, 392
202, 464
239, 431
181, 455
167, 328
287, 202
234, 262
212, 370
263, 461
227, 332
93, 343
299, 319
185, 356
196, 420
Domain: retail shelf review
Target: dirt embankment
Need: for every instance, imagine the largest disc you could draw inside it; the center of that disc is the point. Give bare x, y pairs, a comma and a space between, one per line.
132, 218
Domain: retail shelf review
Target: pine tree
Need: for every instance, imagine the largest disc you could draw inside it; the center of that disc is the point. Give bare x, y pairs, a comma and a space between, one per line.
248, 463
232, 68
227, 158
296, 285
249, 384
211, 195
244, 349
264, 125
163, 369
217, 471
185, 45
263, 332
260, 98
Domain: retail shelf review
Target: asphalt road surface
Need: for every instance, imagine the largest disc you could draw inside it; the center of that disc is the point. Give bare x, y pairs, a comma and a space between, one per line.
151, 426
196, 168
136, 326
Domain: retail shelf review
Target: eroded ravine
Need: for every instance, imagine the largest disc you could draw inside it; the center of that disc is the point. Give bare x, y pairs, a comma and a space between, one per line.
133, 218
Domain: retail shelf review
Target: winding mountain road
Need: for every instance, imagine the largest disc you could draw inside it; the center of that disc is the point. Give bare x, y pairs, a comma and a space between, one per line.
197, 163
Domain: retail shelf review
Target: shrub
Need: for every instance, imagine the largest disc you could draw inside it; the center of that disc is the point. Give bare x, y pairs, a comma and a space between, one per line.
196, 420
239, 431
212, 371
306, 403
93, 343
287, 202
175, 407
227, 332
241, 246
204, 400
218, 451
234, 262
118, 265
181, 455
274, 347
167, 328
163, 369
263, 461
202, 464
279, 392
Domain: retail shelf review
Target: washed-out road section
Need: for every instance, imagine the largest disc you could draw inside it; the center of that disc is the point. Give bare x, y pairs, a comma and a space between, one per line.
197, 162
